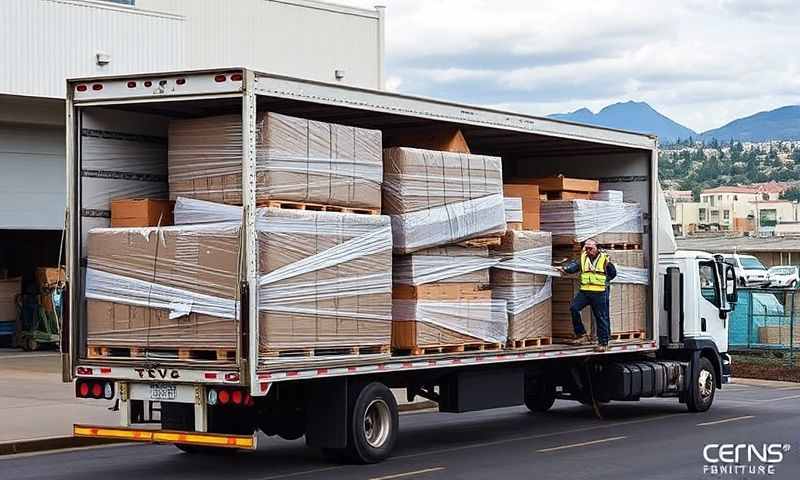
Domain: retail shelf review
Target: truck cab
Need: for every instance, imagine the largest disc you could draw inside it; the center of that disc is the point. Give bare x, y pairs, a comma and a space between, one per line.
699, 292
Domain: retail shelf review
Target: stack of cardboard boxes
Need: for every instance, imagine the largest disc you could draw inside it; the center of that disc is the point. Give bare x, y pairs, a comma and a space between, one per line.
437, 199
324, 277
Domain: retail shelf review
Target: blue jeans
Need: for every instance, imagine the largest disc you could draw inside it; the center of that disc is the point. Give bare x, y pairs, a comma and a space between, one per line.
599, 303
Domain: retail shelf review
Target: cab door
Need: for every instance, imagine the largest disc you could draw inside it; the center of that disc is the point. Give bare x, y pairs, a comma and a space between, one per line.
709, 303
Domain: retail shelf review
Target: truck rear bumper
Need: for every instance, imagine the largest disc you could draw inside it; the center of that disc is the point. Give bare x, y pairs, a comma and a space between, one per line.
203, 439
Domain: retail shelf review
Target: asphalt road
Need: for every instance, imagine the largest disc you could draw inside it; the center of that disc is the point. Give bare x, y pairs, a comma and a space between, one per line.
651, 439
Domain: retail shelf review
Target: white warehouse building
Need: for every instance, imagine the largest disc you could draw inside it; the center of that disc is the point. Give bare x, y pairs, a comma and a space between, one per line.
46, 41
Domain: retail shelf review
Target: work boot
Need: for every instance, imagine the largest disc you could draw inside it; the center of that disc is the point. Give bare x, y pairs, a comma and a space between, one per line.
582, 339
603, 347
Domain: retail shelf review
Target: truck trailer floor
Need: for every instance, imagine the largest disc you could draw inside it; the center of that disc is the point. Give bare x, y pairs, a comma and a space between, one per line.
654, 438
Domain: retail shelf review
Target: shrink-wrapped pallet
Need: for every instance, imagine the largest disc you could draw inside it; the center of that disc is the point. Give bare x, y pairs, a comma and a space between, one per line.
441, 299
522, 278
163, 288
296, 160
437, 198
573, 221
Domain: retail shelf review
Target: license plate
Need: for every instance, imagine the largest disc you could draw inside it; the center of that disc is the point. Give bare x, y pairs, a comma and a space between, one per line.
163, 391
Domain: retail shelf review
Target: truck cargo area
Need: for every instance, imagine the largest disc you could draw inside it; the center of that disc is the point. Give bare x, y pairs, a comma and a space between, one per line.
122, 146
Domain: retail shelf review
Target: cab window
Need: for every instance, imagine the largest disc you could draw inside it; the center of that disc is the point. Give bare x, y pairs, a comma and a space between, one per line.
709, 284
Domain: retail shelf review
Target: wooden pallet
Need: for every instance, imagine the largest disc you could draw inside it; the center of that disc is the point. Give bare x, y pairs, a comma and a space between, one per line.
462, 347
317, 207
481, 242
633, 335
327, 351
530, 342
111, 352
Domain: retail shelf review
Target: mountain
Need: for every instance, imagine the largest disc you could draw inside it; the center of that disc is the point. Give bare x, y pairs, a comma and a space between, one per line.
780, 124
634, 116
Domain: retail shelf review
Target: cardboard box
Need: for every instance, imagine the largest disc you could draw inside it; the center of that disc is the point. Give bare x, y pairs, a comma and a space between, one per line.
561, 183
9, 289
446, 139
574, 221
296, 160
141, 212
530, 202
417, 324
47, 277
168, 287
323, 293
627, 308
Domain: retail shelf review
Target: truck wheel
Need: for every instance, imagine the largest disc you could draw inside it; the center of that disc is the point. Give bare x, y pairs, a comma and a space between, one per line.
373, 425
540, 396
705, 385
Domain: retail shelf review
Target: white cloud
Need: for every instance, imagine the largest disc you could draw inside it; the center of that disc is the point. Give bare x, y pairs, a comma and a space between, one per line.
701, 62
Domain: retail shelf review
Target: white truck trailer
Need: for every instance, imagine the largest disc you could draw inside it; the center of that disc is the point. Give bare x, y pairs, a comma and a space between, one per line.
345, 406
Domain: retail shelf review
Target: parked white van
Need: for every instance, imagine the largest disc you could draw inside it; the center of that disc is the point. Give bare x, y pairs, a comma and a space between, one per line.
750, 272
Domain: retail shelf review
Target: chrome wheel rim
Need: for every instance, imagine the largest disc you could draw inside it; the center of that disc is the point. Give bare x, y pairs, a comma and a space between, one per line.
377, 423
705, 384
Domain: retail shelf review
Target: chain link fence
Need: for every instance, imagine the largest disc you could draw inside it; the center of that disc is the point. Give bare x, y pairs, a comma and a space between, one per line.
766, 320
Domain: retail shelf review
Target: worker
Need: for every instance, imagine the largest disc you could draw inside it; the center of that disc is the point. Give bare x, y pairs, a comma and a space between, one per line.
596, 271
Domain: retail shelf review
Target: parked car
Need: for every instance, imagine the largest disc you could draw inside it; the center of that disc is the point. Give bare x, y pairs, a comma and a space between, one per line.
784, 276
750, 272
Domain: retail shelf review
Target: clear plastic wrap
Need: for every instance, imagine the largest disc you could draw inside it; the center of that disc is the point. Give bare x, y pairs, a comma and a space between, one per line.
324, 283
483, 321
449, 223
615, 196
585, 219
639, 276
513, 208
296, 160
417, 179
423, 269
168, 287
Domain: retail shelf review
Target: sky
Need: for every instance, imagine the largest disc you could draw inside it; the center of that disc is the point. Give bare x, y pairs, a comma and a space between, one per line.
702, 63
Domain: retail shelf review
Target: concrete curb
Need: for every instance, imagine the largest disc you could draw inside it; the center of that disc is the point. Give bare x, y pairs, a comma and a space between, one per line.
59, 443
51, 443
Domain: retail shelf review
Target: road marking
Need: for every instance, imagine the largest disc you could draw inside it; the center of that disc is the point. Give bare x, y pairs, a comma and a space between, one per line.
536, 436
778, 399
408, 474
726, 420
788, 388
582, 444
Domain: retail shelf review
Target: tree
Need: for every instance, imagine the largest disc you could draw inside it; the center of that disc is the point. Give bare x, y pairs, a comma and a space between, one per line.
793, 194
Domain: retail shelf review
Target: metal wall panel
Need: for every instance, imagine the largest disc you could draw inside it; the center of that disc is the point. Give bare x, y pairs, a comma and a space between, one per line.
46, 41
49, 40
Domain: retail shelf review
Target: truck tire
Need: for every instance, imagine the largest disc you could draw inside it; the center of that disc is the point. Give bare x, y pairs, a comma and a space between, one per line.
701, 396
540, 396
372, 426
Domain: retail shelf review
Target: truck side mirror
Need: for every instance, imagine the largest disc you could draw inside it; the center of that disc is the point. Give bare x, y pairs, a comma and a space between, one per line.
731, 293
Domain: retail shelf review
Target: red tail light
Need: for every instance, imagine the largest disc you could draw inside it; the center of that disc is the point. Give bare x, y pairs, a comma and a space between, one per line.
81, 88
83, 371
148, 83
236, 77
219, 78
248, 400
224, 397
236, 397
131, 84
83, 390
97, 87
180, 81
97, 390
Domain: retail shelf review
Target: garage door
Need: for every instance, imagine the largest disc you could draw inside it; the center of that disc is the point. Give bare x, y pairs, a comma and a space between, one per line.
32, 177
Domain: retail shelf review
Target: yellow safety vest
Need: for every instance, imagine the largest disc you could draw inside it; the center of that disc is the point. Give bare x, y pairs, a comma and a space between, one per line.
593, 278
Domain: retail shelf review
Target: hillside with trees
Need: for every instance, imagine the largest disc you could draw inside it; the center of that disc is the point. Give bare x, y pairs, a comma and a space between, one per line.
696, 165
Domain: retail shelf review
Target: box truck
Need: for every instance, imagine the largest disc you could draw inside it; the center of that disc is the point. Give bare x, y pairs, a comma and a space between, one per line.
117, 143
